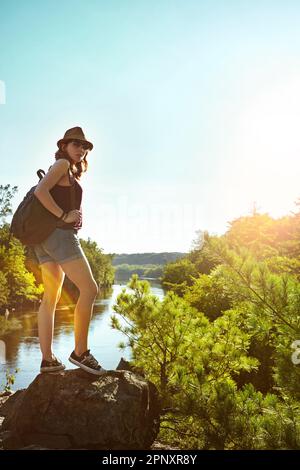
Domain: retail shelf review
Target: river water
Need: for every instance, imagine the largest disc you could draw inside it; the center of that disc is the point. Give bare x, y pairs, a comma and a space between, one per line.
22, 346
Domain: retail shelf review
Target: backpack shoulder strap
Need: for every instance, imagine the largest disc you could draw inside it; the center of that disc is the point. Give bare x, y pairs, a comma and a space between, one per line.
40, 174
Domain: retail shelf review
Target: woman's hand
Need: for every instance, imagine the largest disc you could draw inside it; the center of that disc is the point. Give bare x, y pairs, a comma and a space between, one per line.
73, 216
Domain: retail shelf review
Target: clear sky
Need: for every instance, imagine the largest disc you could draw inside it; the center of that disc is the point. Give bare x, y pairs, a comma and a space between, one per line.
193, 108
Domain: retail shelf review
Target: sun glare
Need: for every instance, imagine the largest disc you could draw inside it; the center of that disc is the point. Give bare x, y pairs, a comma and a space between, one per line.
267, 147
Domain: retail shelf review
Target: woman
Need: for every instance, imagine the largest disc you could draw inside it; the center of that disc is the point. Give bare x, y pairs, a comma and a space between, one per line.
62, 254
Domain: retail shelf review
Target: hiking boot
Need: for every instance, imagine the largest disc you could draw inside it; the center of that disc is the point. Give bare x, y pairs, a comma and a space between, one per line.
51, 366
87, 362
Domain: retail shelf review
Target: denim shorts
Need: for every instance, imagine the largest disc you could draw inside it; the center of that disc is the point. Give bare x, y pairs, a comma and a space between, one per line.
61, 246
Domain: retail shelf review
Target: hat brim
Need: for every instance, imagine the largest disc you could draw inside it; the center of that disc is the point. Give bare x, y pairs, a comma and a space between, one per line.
61, 141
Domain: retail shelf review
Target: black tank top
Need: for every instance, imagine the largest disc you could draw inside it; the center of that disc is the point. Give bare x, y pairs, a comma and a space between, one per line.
62, 197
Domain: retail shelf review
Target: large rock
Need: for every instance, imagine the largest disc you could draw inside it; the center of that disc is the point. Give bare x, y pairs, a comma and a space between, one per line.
76, 410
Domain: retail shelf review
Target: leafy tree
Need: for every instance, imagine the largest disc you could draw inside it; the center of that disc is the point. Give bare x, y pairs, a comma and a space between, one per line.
153, 271
101, 264
4, 290
275, 241
126, 270
6, 194
190, 360
271, 308
178, 275
255, 232
206, 370
20, 283
208, 295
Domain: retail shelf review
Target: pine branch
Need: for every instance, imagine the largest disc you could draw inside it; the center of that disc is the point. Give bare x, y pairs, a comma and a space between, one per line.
182, 433
276, 313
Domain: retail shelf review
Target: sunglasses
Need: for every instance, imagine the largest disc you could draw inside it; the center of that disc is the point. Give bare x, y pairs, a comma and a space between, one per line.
79, 143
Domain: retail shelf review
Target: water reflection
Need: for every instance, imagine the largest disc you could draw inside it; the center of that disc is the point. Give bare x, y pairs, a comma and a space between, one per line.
22, 346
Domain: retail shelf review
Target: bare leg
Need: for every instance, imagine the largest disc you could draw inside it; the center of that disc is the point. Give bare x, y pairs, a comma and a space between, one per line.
46, 325
53, 278
79, 272
83, 313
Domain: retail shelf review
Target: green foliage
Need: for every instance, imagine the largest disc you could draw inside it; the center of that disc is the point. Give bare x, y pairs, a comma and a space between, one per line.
200, 254
255, 232
149, 270
252, 282
142, 259
18, 283
223, 417
179, 275
219, 345
10, 380
149, 265
221, 355
101, 264
4, 290
209, 295
190, 359
271, 308
153, 271
6, 194
275, 241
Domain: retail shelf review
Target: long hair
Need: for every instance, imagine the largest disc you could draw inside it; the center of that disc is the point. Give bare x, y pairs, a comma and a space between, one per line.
77, 168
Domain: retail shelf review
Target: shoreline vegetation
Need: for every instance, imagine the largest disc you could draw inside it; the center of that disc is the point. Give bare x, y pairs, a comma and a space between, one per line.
221, 347
145, 265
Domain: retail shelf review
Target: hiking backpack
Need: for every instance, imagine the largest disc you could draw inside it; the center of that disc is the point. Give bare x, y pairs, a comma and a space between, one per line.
32, 222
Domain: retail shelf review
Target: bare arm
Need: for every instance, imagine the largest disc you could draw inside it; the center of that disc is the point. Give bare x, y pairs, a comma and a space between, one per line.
42, 191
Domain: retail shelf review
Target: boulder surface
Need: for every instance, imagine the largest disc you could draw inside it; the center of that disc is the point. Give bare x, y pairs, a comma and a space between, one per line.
72, 409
